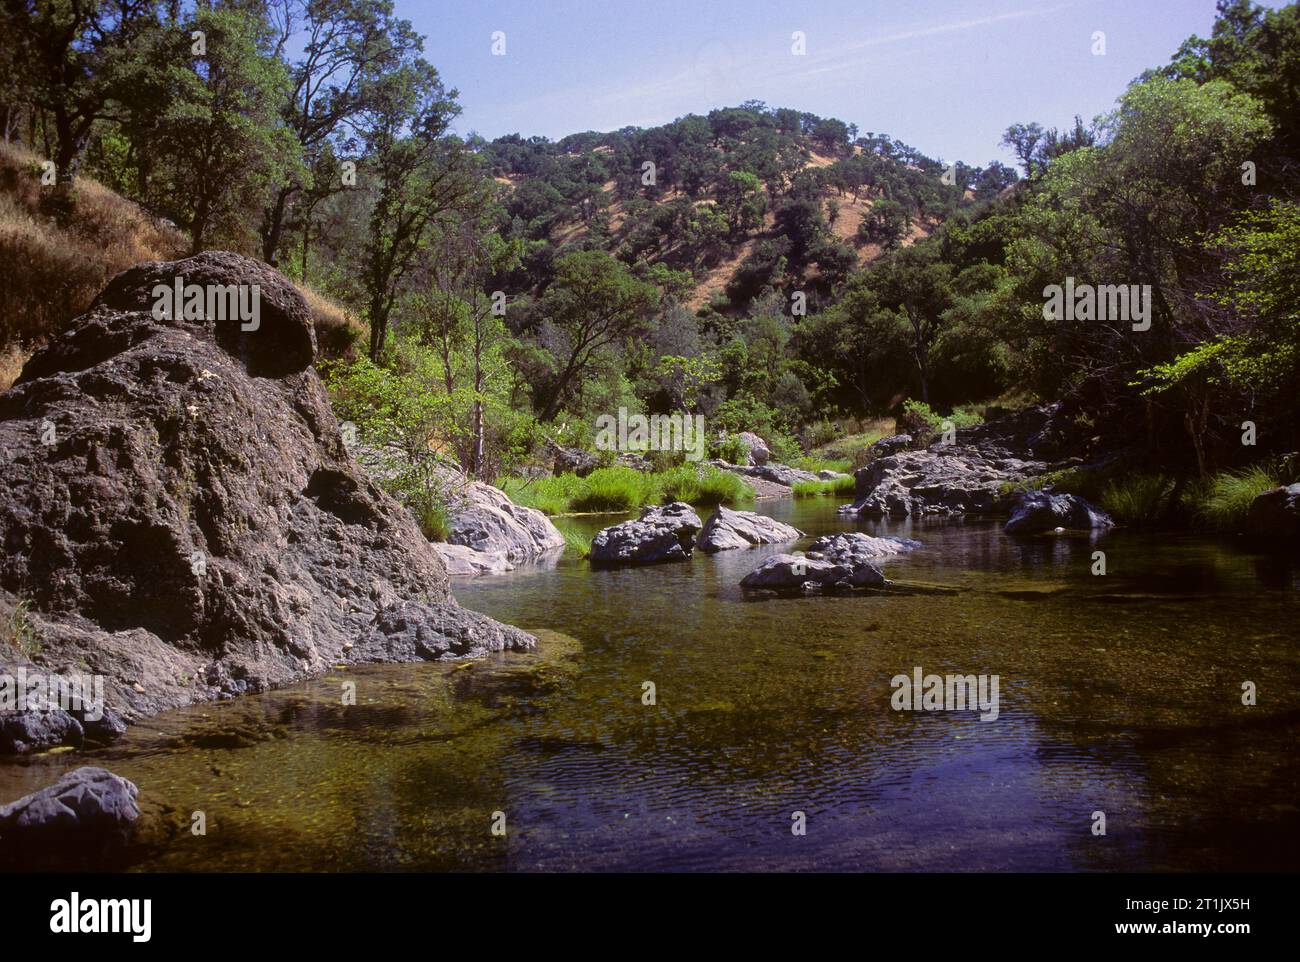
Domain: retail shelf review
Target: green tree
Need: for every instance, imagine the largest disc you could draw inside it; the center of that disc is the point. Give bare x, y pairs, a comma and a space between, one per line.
418, 174
221, 141
593, 304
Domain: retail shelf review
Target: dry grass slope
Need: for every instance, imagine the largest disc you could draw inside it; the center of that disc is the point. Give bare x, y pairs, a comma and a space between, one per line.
51, 271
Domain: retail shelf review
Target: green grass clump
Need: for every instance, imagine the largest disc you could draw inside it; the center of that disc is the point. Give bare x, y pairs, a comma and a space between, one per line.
842, 487
704, 486
1139, 500
1225, 500
17, 630
615, 489
575, 541
620, 489
549, 495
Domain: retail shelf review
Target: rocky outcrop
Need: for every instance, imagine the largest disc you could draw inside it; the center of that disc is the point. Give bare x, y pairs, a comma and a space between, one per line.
1275, 515
832, 563
662, 533
181, 514
941, 480
1037, 512
573, 461
81, 820
978, 472
485, 520
727, 529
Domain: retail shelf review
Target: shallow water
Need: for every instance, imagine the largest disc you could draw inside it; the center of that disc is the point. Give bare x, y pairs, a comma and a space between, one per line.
1119, 694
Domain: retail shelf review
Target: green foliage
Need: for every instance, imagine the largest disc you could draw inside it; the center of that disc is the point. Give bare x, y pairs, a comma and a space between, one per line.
1139, 500
840, 487
1226, 499
16, 629
622, 489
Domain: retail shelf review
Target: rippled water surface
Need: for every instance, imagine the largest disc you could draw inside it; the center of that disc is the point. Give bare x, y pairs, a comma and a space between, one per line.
1119, 694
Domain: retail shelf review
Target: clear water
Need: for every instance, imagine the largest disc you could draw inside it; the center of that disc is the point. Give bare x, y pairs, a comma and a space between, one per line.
1119, 694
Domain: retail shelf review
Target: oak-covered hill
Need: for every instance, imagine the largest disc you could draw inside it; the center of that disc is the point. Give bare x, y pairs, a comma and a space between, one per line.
743, 199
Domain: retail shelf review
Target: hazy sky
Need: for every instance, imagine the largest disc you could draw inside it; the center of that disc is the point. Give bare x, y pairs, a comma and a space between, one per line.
946, 76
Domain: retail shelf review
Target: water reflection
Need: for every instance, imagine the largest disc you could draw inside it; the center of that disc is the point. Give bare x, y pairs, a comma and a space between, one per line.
1118, 694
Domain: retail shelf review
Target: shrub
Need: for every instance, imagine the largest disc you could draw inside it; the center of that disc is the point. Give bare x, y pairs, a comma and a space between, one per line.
730, 449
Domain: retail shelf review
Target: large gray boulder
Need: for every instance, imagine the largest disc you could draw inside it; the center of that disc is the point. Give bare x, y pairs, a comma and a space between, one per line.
181, 514
1275, 514
1037, 512
86, 815
727, 529
662, 533
484, 519
757, 452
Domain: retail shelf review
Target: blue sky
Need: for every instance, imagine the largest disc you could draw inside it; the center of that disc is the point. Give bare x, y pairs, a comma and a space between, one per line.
946, 76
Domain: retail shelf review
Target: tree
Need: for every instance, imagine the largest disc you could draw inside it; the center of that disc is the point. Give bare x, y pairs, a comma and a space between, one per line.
1024, 140
347, 47
886, 224
741, 196
77, 54
419, 174
459, 319
221, 140
593, 304
920, 288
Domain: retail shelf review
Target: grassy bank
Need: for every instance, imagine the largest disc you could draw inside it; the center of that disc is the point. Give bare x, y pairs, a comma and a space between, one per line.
619, 489
1147, 499
840, 487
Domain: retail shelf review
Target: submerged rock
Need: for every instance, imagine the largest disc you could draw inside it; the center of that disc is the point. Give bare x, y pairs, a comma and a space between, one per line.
1274, 515
1039, 511
727, 529
662, 533
853, 547
787, 573
81, 820
836, 562
182, 516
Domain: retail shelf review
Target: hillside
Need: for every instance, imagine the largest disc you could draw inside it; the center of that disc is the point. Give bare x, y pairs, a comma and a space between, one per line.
742, 199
